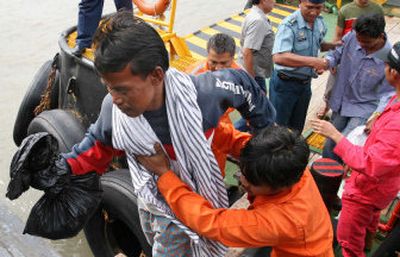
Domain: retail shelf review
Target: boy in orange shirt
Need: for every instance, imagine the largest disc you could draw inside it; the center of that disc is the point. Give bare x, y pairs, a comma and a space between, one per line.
286, 211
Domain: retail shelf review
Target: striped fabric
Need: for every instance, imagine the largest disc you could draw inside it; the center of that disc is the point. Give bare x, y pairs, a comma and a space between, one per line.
327, 167
195, 164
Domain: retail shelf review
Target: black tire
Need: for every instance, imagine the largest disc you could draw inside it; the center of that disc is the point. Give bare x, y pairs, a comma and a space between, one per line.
32, 99
115, 227
63, 125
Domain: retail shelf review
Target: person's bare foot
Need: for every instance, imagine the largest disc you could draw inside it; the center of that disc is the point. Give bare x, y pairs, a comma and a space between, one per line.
323, 110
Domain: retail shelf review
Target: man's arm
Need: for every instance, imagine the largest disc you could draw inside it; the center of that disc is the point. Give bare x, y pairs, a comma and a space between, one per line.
384, 89
255, 33
326, 46
384, 100
380, 158
334, 57
95, 151
339, 26
248, 61
282, 52
338, 34
295, 60
229, 140
242, 92
237, 228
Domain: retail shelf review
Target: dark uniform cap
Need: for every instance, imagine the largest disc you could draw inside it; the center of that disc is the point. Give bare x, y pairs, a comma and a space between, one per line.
317, 1
393, 57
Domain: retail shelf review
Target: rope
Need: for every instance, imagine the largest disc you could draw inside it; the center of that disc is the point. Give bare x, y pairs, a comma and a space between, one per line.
45, 101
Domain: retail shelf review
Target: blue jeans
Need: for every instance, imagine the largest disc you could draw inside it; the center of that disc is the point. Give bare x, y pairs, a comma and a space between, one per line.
290, 99
89, 17
165, 237
257, 252
345, 125
241, 124
261, 82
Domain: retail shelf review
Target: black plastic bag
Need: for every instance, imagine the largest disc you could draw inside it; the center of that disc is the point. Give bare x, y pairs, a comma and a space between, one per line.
69, 201
63, 215
36, 153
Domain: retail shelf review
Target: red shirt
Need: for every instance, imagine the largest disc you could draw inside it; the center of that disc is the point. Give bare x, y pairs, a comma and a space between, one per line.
375, 178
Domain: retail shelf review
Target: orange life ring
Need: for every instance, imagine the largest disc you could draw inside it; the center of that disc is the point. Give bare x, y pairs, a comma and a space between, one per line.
153, 9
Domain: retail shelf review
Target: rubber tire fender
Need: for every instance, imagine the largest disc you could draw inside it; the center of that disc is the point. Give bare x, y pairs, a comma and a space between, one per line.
116, 226
63, 125
32, 99
150, 8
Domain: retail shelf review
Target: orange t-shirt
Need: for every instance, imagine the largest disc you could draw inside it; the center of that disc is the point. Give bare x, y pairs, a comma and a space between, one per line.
294, 223
202, 66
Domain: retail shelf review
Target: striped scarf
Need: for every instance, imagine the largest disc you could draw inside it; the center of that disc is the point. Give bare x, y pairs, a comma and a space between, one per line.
195, 162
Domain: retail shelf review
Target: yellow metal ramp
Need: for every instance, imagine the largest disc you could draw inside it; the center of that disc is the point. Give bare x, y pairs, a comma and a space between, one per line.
197, 41
191, 48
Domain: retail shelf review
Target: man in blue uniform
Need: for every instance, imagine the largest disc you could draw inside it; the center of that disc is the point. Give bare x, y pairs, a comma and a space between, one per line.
297, 44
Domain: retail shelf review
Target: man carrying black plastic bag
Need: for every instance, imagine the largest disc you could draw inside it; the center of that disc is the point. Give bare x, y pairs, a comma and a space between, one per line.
150, 102
68, 202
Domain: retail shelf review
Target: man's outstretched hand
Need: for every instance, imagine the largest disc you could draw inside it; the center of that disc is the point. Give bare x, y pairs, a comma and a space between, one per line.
157, 163
327, 129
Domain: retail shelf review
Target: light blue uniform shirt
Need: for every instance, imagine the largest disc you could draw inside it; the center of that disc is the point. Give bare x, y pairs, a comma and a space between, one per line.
295, 36
360, 80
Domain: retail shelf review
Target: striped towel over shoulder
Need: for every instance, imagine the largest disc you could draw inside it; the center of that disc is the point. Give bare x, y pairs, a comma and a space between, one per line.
195, 162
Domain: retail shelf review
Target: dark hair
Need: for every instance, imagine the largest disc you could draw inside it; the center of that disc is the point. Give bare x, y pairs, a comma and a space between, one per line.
370, 25
123, 40
255, 2
275, 157
393, 57
222, 43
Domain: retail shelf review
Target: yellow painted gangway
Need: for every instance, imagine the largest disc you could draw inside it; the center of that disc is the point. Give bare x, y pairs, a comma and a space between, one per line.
186, 50
197, 41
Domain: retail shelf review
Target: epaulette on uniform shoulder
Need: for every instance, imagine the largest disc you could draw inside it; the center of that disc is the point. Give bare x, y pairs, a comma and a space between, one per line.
292, 21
